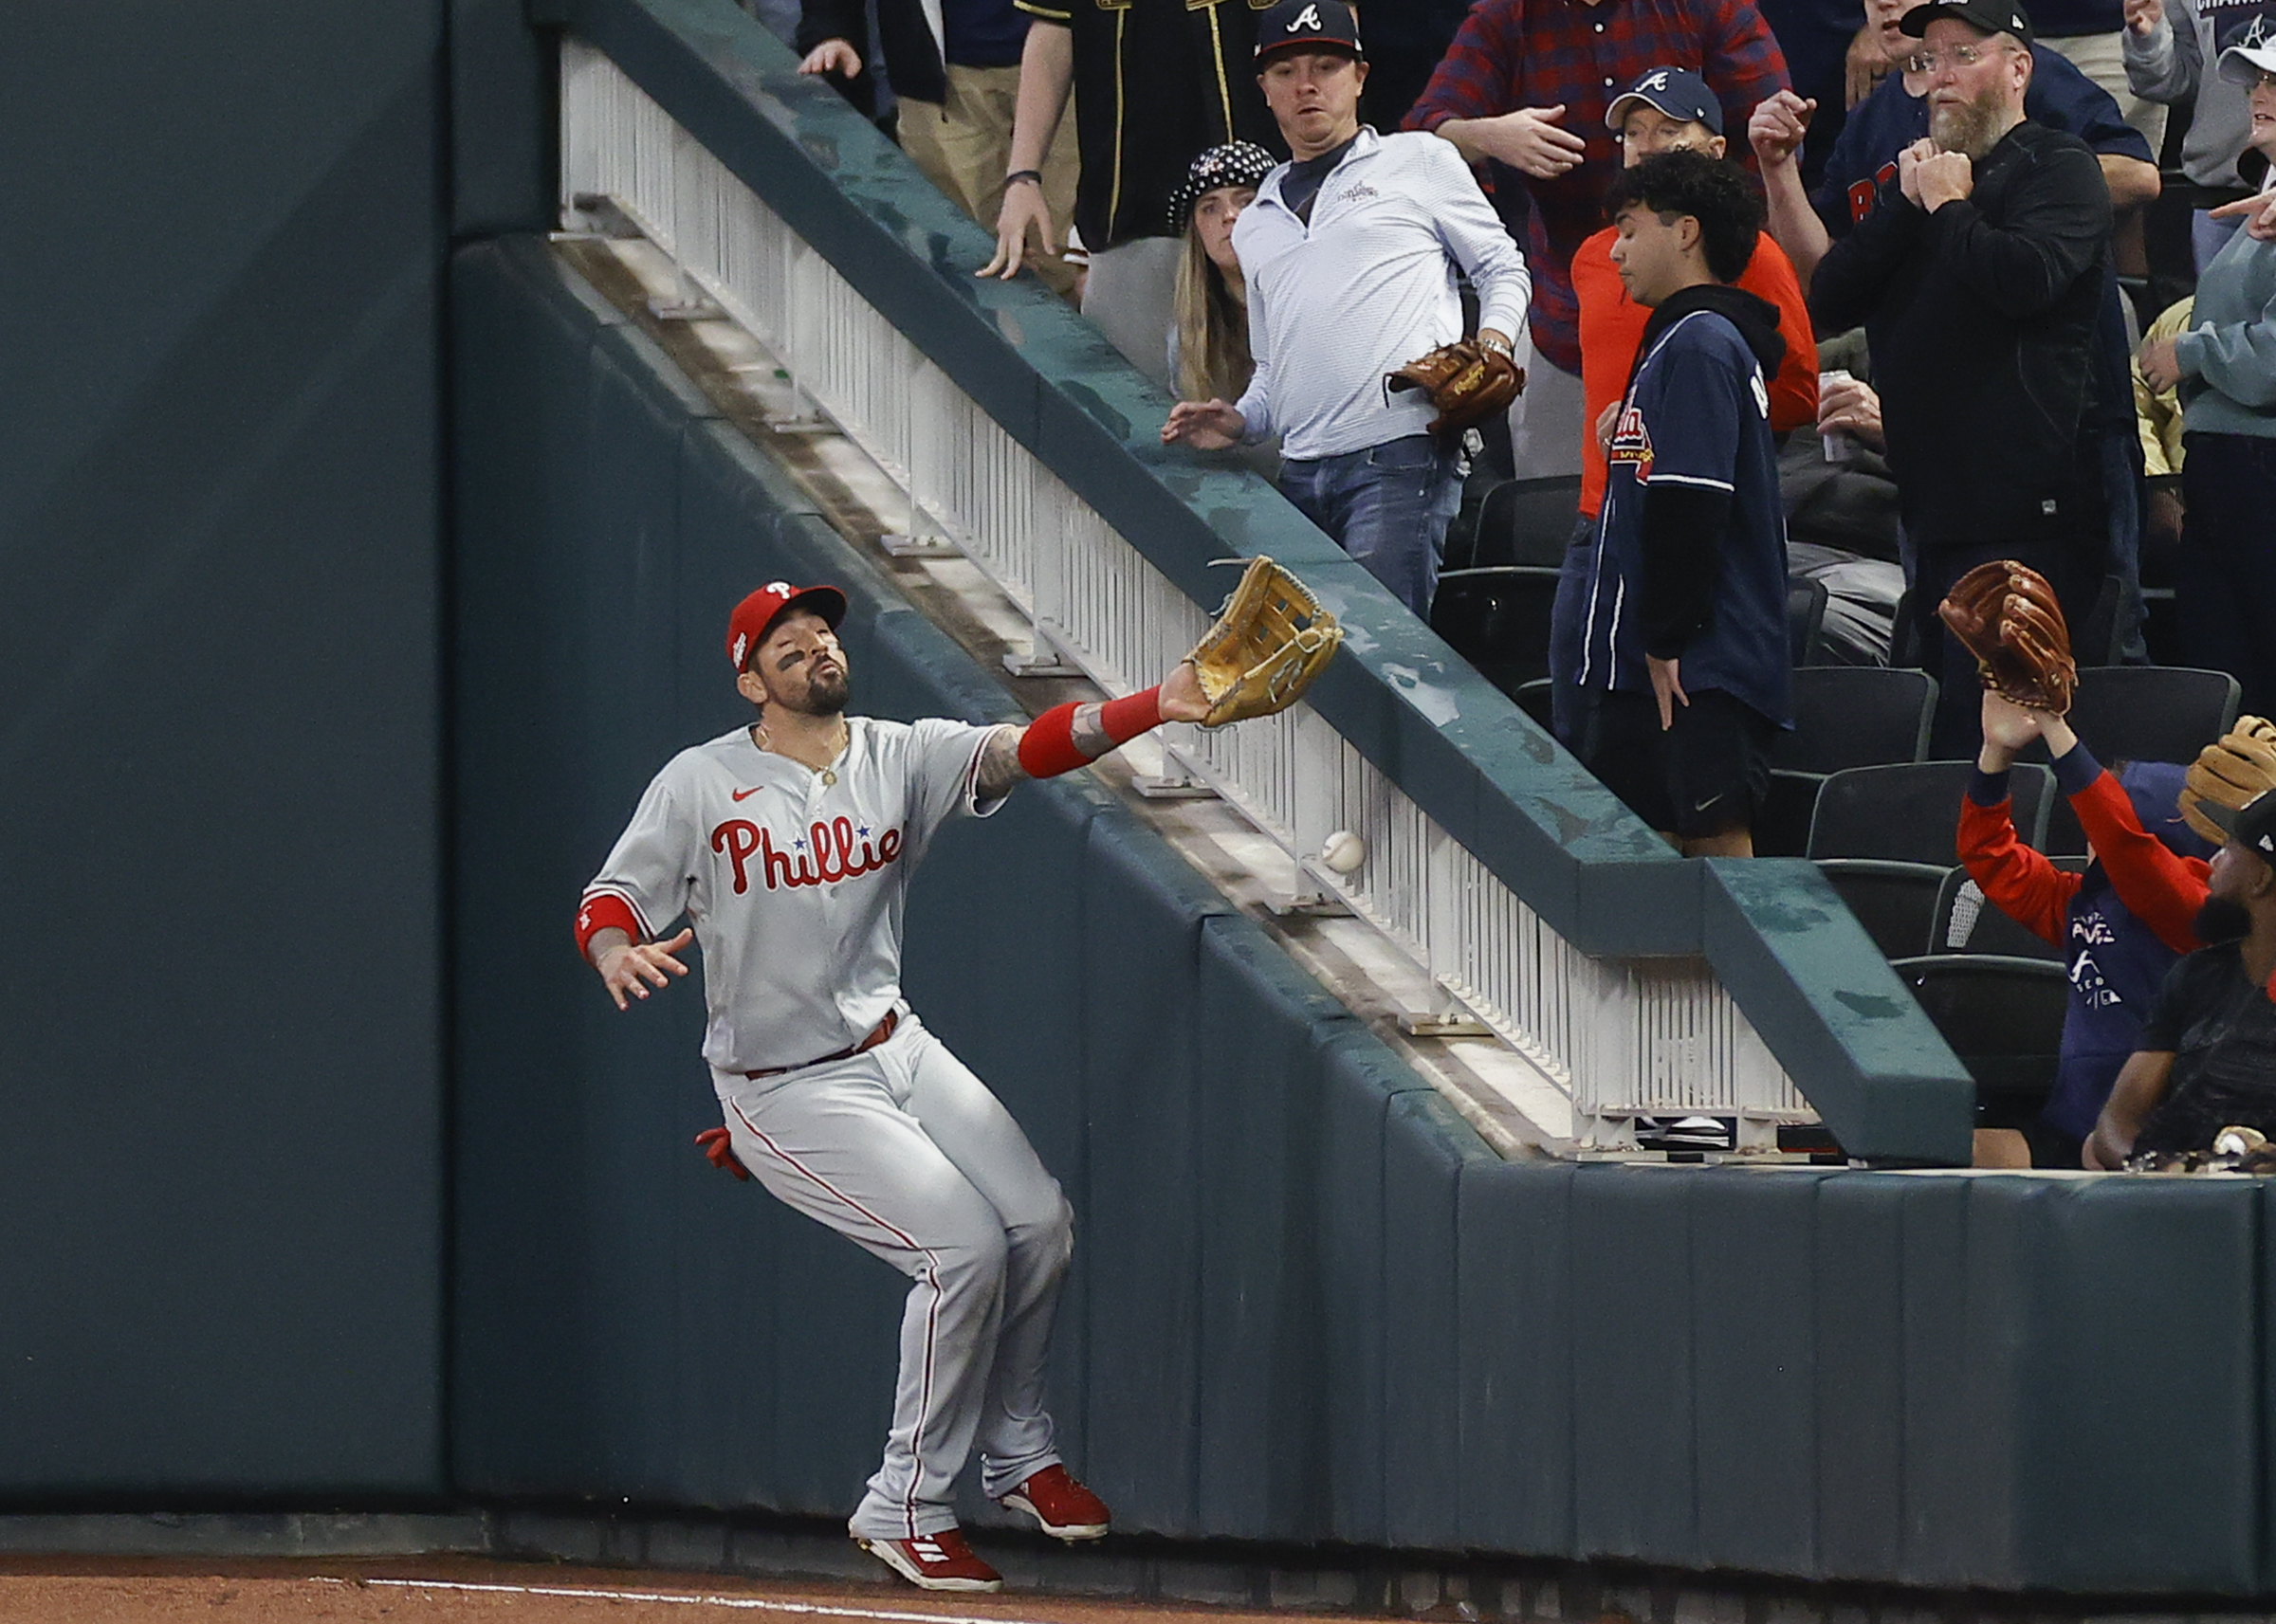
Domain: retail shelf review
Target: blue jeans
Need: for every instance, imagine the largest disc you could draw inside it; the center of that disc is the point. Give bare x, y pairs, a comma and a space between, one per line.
1387, 506
1567, 700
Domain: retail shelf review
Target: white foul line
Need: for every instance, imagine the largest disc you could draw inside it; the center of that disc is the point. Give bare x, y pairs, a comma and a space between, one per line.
682, 1598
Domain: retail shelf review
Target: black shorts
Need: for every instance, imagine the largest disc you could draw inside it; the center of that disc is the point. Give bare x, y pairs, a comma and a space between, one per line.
1706, 775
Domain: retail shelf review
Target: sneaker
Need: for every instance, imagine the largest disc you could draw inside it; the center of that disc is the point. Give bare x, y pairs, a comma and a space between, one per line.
935, 1562
1686, 1133
1066, 1509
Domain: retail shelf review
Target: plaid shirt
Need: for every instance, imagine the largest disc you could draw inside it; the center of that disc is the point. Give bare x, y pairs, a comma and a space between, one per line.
1543, 53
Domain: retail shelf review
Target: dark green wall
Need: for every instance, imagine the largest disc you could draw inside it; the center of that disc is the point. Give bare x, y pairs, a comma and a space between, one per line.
221, 1053
1308, 1304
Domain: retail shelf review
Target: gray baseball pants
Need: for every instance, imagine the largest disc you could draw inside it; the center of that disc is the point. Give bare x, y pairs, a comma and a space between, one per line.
905, 1153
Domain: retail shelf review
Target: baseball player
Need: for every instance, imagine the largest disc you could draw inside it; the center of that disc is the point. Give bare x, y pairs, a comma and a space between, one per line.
789, 845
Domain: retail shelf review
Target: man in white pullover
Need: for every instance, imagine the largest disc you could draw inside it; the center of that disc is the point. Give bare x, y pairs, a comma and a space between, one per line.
1349, 253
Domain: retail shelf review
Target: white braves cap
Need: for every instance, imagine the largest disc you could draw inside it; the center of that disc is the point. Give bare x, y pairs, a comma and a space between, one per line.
2246, 61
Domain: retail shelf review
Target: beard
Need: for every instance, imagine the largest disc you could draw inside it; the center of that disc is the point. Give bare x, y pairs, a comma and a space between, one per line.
825, 695
2222, 919
1970, 127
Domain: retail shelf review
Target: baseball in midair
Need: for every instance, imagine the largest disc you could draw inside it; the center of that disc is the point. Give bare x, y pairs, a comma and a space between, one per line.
1344, 851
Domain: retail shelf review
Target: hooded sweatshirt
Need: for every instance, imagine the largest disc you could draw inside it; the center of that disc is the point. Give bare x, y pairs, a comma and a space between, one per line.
2174, 64
1691, 556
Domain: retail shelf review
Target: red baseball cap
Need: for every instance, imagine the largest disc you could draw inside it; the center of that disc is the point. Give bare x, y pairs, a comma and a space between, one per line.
756, 615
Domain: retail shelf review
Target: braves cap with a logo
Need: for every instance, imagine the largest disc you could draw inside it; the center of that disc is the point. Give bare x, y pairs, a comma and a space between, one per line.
1992, 16
1309, 26
747, 626
2250, 55
1678, 92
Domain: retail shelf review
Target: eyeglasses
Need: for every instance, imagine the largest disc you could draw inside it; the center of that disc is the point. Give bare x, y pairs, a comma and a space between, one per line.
1959, 56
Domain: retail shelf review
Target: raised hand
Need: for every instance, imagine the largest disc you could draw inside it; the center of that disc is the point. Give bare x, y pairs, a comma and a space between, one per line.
1776, 129
1531, 139
1947, 177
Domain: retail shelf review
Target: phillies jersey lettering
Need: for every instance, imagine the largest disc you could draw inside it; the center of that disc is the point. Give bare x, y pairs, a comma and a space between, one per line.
795, 887
826, 852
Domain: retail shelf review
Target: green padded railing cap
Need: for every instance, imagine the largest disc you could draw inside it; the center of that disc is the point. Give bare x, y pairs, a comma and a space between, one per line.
1798, 964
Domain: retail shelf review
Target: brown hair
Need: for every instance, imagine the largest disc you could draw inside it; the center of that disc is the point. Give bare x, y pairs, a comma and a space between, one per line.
1214, 362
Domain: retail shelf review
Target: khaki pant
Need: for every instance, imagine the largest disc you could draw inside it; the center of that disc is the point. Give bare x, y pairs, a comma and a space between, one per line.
963, 146
2100, 58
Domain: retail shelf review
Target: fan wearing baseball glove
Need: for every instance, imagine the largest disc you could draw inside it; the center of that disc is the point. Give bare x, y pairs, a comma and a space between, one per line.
1348, 253
2008, 617
1466, 382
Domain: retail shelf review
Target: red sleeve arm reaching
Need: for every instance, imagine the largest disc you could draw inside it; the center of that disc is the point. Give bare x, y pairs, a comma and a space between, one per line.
2017, 881
2163, 890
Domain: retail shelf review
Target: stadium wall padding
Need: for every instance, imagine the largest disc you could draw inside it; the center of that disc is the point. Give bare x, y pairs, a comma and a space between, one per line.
221, 1061
1308, 1304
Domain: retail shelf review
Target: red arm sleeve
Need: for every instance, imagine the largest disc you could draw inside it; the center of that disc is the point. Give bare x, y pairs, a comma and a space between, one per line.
2016, 879
2163, 890
597, 912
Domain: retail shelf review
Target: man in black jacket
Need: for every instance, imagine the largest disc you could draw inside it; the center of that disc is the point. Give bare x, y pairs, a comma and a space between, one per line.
1978, 278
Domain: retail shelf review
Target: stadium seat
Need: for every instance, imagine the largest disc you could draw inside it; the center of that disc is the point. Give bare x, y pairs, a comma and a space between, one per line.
2142, 713
1533, 699
1895, 902
1909, 813
2151, 712
1498, 619
2002, 1018
1527, 521
1967, 922
1856, 716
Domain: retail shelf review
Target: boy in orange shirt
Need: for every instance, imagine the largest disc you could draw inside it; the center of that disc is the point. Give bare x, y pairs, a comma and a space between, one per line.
1666, 110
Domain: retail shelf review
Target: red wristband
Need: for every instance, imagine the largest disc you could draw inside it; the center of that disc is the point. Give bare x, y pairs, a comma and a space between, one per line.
599, 912
1048, 748
1126, 719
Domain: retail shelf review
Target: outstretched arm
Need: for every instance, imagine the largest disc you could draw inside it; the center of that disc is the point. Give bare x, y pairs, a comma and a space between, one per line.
1071, 736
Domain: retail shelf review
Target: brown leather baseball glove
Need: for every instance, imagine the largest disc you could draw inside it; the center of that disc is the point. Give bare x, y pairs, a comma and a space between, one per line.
2230, 772
1270, 640
2008, 618
1465, 381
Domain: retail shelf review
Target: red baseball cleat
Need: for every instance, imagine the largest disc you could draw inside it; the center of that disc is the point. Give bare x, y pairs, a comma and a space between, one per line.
1066, 1509
935, 1562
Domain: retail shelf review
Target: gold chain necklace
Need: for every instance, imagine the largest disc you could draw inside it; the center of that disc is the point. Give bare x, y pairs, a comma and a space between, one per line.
829, 775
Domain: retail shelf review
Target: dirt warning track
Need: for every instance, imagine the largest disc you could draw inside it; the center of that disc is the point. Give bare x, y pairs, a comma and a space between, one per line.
36, 1590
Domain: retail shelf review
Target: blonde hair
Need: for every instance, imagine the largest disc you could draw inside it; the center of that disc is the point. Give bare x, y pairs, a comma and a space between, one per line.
1214, 362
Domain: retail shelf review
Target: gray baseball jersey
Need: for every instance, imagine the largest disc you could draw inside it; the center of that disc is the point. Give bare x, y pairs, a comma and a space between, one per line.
795, 883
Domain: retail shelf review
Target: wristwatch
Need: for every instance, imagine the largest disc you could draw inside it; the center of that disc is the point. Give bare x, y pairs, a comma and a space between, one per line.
1499, 345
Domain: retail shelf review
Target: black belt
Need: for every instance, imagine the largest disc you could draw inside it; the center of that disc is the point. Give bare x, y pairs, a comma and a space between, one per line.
879, 1034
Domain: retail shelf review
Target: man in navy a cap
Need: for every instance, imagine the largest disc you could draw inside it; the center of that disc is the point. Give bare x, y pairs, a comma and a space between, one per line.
1349, 253
1979, 277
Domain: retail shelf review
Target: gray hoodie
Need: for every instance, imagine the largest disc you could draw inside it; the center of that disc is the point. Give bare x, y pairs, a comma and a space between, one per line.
2171, 65
2227, 353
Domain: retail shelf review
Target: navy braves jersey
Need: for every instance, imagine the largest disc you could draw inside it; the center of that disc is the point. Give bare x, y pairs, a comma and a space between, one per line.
1696, 414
